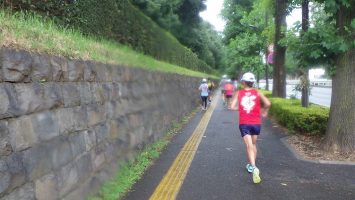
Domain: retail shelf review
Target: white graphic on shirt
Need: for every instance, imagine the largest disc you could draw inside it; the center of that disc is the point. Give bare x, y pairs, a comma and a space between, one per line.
248, 102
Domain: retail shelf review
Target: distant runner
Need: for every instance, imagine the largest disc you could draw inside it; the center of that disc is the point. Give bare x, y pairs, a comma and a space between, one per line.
210, 89
204, 93
252, 104
228, 92
221, 85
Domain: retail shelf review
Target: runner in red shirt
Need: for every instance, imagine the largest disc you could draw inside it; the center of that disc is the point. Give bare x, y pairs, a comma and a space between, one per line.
252, 104
228, 92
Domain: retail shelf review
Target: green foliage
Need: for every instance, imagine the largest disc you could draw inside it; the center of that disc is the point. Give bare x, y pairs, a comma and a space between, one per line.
248, 35
181, 18
291, 114
322, 42
118, 20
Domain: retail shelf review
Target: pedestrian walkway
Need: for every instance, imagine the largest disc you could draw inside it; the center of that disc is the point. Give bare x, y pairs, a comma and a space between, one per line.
217, 170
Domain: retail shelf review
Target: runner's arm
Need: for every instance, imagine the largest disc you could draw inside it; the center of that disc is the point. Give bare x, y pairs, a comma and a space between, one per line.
265, 104
234, 104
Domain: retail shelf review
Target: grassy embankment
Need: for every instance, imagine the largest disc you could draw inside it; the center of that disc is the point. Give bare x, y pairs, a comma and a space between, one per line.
33, 33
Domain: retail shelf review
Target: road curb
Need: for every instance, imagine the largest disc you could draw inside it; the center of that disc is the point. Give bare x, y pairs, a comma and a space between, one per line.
299, 157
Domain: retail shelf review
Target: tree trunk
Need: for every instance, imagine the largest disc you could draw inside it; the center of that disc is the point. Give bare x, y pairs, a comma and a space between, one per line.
279, 73
305, 78
340, 134
266, 56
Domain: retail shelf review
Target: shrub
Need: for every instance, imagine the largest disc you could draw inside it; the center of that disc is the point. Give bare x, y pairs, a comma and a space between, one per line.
290, 113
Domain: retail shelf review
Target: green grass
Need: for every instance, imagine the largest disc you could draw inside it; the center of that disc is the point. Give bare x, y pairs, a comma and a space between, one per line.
130, 173
35, 34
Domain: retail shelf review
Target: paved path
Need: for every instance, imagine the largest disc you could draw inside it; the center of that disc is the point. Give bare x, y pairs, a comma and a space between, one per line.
218, 169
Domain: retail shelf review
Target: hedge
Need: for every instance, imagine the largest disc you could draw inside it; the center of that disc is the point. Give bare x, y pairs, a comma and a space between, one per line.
297, 119
118, 20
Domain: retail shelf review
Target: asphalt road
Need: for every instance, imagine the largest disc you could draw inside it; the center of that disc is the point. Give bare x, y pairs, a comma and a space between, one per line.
218, 169
318, 95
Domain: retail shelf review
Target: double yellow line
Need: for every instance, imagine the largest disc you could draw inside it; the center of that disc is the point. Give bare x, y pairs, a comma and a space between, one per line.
170, 185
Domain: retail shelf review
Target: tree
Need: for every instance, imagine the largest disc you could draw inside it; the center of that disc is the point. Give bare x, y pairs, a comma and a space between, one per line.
304, 69
245, 37
279, 73
340, 134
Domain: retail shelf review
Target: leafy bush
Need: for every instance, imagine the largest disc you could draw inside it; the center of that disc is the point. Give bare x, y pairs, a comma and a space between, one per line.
118, 20
290, 113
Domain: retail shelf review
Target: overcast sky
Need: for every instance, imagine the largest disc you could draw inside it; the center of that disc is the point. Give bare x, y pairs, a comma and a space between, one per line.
214, 8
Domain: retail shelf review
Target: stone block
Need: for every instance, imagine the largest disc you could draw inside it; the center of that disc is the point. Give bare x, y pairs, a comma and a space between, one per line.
65, 117
5, 144
98, 92
24, 192
46, 187
4, 102
90, 74
53, 96
77, 143
16, 169
5, 177
41, 68
21, 132
113, 129
109, 107
116, 93
98, 158
37, 161
90, 139
116, 73
60, 152
80, 118
96, 114
109, 72
118, 109
75, 71
102, 132
102, 73
110, 152
126, 90
45, 125
59, 68
107, 91
86, 95
71, 94
136, 138
84, 166
16, 65
126, 74
134, 120
29, 97
67, 179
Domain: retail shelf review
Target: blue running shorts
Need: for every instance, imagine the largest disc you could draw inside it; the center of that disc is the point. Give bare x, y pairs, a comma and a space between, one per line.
249, 129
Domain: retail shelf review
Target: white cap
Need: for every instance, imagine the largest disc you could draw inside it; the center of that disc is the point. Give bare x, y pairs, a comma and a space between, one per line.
204, 80
248, 77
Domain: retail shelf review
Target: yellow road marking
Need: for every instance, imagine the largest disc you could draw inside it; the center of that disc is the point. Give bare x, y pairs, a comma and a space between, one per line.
170, 185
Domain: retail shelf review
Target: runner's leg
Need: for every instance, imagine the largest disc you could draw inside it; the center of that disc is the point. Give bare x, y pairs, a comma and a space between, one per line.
250, 150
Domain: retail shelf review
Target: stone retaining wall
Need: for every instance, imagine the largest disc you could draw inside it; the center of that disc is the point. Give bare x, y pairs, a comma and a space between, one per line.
66, 124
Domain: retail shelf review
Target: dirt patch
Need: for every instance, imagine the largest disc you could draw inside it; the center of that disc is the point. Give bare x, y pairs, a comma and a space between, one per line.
310, 147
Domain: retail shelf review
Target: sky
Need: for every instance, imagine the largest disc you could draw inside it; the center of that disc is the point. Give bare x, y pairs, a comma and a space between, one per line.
213, 16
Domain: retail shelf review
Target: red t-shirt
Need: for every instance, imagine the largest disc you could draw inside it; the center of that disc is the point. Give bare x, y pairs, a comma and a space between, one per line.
228, 89
249, 107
